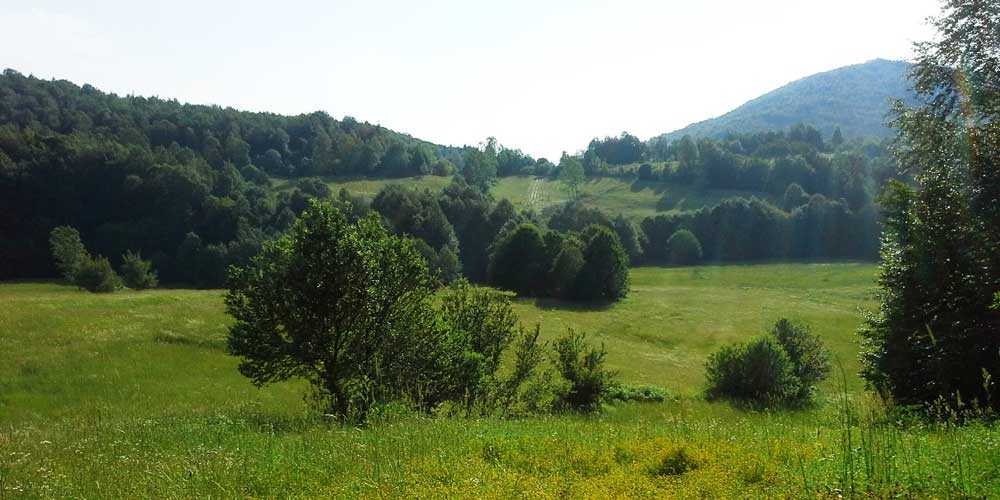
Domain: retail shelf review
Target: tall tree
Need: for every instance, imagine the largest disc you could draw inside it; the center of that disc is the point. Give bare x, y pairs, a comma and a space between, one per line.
934, 338
571, 174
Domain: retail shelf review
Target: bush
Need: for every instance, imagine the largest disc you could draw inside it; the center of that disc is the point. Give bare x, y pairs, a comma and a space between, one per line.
683, 248
777, 370
137, 274
640, 393
757, 373
674, 463
583, 368
605, 274
810, 360
96, 275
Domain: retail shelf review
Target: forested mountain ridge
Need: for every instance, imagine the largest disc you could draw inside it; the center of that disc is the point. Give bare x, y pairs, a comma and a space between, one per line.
854, 98
301, 145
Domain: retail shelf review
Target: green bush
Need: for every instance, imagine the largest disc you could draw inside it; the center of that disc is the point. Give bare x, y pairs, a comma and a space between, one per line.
96, 275
641, 393
758, 373
683, 248
136, 273
67, 250
674, 463
582, 366
777, 370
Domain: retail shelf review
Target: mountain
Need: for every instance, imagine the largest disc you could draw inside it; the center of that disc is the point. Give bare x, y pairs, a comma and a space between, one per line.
855, 98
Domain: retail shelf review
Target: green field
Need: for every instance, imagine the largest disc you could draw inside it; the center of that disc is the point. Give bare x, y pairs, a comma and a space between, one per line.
634, 198
132, 395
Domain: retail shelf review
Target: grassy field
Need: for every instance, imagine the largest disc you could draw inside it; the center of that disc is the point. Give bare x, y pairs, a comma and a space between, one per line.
132, 395
634, 198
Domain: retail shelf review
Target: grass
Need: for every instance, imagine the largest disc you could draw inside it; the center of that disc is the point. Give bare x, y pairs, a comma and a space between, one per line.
634, 198
132, 395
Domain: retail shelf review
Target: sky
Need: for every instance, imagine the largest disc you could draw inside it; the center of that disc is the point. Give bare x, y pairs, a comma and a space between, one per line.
541, 76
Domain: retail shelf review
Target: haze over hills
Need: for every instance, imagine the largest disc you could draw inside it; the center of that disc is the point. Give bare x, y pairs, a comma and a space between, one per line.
856, 98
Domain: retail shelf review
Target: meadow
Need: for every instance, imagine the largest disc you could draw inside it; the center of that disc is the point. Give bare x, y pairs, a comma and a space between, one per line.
632, 197
132, 395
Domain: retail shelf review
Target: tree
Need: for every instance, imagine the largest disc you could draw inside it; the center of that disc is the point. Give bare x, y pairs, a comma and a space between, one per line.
837, 139
565, 270
67, 250
136, 273
631, 236
480, 169
933, 340
519, 261
605, 274
342, 305
571, 174
684, 248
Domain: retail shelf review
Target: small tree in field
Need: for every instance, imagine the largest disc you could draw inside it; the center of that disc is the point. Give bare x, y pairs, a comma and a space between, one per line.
137, 274
67, 250
343, 305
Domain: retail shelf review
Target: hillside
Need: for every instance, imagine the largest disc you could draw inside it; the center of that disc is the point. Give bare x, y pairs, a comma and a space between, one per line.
855, 98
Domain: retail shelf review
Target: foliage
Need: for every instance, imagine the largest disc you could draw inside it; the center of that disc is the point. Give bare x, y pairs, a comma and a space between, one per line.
136, 273
343, 305
565, 270
605, 273
519, 261
68, 251
480, 170
571, 174
756, 373
631, 237
641, 393
684, 248
933, 339
778, 370
95, 274
583, 369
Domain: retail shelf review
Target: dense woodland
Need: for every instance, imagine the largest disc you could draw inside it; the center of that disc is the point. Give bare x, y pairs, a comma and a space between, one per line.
190, 188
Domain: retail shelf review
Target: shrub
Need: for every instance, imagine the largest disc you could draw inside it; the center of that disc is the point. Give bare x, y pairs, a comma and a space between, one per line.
780, 369
137, 274
674, 463
683, 248
810, 360
757, 373
96, 275
67, 250
641, 393
583, 368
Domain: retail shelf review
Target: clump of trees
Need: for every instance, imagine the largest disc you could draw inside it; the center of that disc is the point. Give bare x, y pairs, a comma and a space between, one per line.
933, 340
589, 266
781, 369
348, 306
683, 248
95, 273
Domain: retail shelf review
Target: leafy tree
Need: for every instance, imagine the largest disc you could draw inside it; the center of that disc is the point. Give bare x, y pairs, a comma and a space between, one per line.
136, 273
583, 368
794, 197
571, 174
631, 236
837, 139
605, 274
684, 248
68, 251
933, 339
342, 305
95, 274
519, 261
566, 270
576, 216
480, 170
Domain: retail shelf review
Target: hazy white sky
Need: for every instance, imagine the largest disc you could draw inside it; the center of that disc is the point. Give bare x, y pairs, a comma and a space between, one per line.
543, 76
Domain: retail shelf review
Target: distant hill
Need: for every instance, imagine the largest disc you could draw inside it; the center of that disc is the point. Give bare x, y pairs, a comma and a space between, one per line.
855, 98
